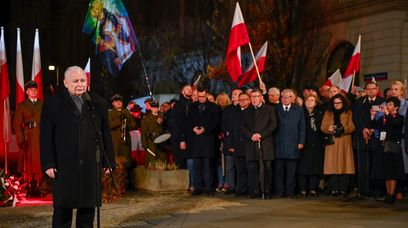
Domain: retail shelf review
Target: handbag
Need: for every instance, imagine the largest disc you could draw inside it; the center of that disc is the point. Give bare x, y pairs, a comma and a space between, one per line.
329, 139
392, 147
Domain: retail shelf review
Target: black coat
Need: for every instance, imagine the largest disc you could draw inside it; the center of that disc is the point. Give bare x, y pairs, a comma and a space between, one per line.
178, 120
229, 124
263, 121
203, 146
238, 137
312, 154
361, 119
68, 144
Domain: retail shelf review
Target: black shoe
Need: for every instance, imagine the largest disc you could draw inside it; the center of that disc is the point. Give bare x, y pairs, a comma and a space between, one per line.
342, 194
254, 195
209, 192
229, 192
334, 193
267, 195
313, 194
391, 199
196, 193
303, 194
239, 194
278, 196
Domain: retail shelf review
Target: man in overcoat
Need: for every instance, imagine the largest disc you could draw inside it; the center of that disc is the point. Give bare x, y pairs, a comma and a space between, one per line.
26, 125
259, 123
203, 122
366, 146
289, 139
68, 149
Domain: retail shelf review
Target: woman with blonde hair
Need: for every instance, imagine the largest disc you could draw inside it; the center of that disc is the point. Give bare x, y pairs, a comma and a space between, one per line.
223, 100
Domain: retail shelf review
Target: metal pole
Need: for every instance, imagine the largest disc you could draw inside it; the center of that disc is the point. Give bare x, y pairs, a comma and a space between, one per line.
256, 65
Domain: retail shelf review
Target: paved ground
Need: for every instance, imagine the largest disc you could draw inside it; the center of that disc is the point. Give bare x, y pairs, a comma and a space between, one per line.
183, 210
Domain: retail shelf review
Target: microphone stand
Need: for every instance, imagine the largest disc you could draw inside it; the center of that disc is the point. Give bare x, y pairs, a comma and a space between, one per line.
99, 149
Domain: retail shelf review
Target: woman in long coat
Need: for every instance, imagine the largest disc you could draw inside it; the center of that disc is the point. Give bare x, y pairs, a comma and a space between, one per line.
310, 166
339, 160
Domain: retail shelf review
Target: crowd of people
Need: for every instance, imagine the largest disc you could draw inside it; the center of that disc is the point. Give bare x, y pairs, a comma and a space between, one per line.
272, 143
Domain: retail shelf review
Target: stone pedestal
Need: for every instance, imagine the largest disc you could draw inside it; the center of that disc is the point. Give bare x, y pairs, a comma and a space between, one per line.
161, 180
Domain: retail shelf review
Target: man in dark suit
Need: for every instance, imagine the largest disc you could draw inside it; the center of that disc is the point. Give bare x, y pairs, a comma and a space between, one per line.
366, 146
289, 138
68, 149
259, 122
203, 121
229, 121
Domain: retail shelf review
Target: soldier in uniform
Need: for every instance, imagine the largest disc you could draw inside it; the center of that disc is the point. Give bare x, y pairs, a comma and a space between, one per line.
26, 124
151, 128
120, 123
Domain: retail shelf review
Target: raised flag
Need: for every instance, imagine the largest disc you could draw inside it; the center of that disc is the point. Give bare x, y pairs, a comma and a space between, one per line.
88, 74
251, 74
5, 124
334, 79
238, 37
20, 96
353, 67
108, 24
36, 73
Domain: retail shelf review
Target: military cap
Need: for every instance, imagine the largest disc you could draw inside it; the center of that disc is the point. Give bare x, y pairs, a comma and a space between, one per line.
116, 97
31, 84
148, 100
154, 104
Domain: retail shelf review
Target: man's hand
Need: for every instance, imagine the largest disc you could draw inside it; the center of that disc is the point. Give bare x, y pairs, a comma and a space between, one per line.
51, 172
256, 137
183, 145
300, 146
107, 171
232, 150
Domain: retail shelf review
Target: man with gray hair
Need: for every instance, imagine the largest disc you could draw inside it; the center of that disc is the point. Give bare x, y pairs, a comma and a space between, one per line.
69, 149
273, 96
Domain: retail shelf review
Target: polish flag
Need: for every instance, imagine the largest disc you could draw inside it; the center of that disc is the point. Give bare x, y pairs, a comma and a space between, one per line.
5, 124
20, 96
88, 74
238, 37
251, 74
334, 79
36, 74
353, 67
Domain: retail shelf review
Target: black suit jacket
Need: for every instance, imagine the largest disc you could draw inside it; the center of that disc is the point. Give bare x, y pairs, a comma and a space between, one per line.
261, 120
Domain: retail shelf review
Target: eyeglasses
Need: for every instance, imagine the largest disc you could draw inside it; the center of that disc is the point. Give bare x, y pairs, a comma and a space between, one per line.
286, 97
243, 99
256, 95
337, 103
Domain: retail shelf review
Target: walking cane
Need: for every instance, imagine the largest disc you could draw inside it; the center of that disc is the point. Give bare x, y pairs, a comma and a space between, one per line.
261, 169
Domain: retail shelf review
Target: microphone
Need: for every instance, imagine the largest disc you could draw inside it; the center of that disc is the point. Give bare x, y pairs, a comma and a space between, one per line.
87, 100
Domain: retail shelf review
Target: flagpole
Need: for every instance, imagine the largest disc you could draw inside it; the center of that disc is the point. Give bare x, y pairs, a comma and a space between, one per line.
352, 82
256, 65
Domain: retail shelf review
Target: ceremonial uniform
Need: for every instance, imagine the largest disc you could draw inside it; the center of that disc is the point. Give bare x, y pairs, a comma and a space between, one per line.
26, 124
149, 131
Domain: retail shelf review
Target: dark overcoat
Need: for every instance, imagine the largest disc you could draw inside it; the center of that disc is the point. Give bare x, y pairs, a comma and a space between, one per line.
67, 143
203, 146
238, 137
291, 132
261, 120
312, 154
229, 124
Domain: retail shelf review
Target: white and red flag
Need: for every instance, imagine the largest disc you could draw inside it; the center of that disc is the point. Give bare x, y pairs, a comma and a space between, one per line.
238, 37
88, 74
36, 74
20, 96
353, 67
334, 79
251, 74
5, 124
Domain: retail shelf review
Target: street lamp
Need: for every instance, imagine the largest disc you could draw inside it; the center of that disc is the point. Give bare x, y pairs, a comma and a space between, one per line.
52, 68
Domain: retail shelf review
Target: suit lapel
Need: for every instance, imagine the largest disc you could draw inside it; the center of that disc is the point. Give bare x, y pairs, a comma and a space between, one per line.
69, 104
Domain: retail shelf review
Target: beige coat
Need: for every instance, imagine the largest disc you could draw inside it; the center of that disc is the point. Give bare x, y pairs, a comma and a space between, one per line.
339, 156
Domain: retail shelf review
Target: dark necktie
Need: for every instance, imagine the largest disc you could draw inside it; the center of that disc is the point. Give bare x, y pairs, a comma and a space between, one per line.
78, 103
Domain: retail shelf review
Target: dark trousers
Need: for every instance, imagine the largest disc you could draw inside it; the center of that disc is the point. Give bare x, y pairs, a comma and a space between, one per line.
240, 164
363, 171
308, 182
62, 217
285, 179
203, 174
254, 179
230, 171
339, 182
178, 155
